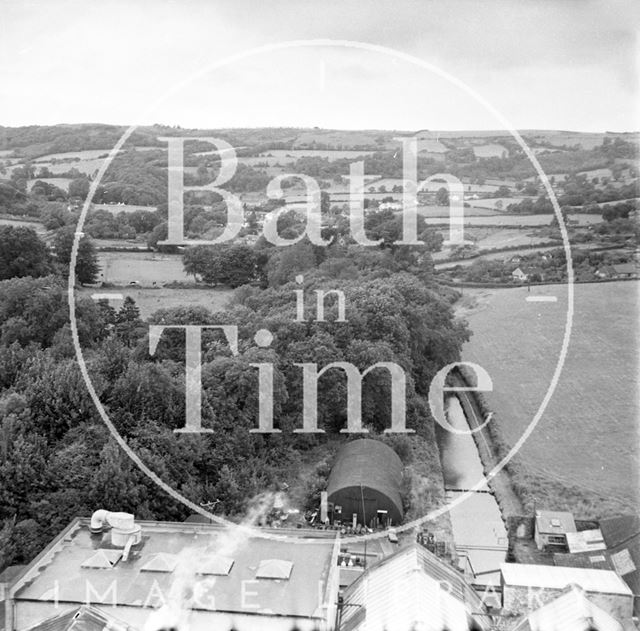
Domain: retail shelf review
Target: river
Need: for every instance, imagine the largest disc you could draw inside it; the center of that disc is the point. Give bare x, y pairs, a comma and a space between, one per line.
478, 529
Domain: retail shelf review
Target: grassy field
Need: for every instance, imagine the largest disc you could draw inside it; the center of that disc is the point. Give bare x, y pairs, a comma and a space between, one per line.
506, 220
502, 237
122, 208
89, 154
146, 268
150, 300
583, 454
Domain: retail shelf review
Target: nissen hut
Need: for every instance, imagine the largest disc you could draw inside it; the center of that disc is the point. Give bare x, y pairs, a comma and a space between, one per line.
365, 481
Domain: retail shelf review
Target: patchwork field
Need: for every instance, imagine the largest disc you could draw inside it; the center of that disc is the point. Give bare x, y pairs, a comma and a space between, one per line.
588, 436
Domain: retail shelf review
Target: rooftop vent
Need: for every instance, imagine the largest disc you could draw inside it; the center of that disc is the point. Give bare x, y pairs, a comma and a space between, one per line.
555, 523
124, 531
160, 562
103, 559
216, 566
274, 569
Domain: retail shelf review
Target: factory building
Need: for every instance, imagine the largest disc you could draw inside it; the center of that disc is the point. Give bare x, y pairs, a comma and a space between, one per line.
199, 576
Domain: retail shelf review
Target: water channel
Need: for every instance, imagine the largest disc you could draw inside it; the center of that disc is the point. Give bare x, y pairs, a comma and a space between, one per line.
479, 532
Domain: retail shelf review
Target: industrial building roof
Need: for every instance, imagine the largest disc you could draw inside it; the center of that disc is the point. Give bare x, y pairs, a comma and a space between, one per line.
553, 577
572, 611
411, 589
369, 463
85, 618
212, 560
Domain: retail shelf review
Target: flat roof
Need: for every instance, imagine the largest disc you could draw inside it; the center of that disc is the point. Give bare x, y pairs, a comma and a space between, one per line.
554, 522
58, 572
554, 577
586, 541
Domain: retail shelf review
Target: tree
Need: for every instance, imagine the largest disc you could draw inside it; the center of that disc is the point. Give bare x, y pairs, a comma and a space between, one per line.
87, 267
79, 187
23, 253
442, 197
232, 265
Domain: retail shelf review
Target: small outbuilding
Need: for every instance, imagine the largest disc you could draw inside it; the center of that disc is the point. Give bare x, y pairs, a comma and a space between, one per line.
551, 530
365, 481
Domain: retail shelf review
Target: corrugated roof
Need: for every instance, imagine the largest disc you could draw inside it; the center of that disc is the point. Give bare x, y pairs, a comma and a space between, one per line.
369, 463
553, 577
572, 611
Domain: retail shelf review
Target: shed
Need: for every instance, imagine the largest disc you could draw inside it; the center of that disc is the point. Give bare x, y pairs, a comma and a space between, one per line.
365, 480
551, 529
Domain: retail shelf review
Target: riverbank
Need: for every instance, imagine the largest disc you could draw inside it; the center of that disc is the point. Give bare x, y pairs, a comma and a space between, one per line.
582, 455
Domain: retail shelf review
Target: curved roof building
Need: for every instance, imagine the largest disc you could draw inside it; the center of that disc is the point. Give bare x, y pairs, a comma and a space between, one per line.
366, 479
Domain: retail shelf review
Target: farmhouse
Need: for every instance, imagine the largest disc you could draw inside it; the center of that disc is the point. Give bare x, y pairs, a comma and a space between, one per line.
519, 275
551, 528
364, 484
624, 270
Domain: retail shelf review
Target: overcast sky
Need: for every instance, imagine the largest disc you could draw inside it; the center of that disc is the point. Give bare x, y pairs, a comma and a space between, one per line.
544, 64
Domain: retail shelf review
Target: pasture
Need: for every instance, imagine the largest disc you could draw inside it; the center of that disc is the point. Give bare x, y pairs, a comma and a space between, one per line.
489, 151
508, 220
295, 154
493, 202
587, 438
114, 209
149, 300
146, 268
489, 238
89, 154
88, 166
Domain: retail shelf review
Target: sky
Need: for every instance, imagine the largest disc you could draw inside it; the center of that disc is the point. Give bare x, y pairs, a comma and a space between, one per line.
542, 64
